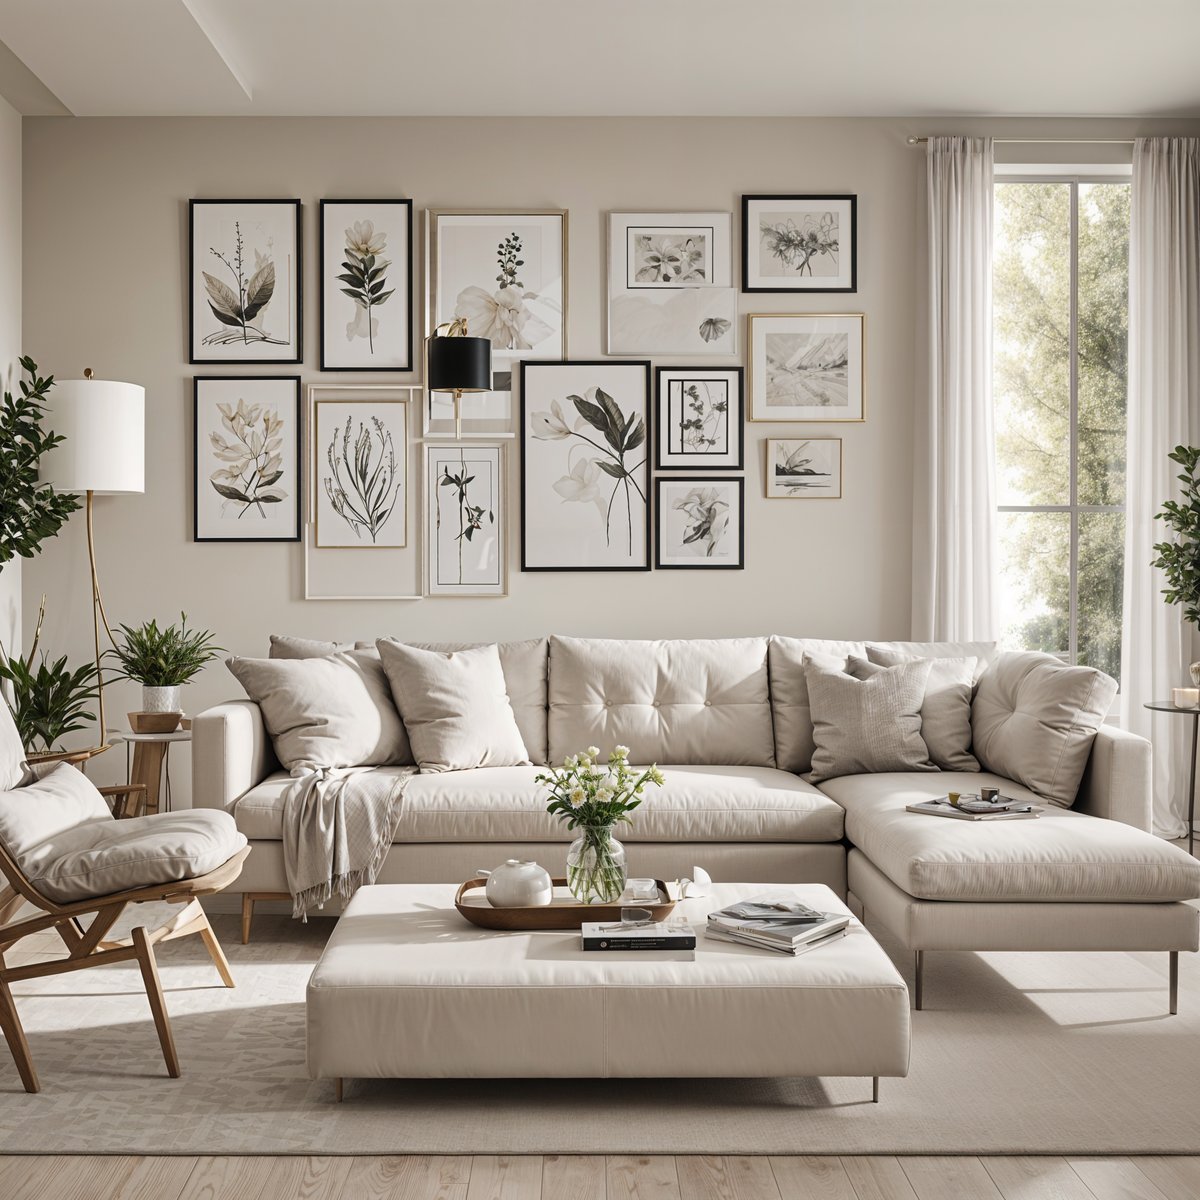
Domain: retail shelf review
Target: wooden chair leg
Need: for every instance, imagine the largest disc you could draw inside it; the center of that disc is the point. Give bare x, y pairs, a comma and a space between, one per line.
247, 916
14, 1035
213, 946
154, 993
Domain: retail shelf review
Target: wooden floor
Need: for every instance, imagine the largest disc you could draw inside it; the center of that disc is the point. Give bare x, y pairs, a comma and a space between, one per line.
617, 1177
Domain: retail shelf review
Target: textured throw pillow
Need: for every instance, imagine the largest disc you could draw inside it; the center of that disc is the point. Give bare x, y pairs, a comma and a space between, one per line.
298, 647
13, 771
455, 707
1034, 720
867, 725
946, 709
333, 711
47, 808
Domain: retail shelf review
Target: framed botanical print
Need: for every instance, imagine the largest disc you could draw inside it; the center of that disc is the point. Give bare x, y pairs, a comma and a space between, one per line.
505, 273
803, 468
670, 278
799, 243
244, 281
466, 547
366, 285
246, 485
360, 473
806, 366
701, 523
698, 424
585, 479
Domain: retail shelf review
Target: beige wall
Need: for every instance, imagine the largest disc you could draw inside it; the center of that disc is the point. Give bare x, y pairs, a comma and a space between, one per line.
106, 256
10, 332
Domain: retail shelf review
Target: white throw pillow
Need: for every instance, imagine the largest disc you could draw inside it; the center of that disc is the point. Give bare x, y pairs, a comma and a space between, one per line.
861, 726
33, 815
283, 646
334, 711
13, 771
455, 707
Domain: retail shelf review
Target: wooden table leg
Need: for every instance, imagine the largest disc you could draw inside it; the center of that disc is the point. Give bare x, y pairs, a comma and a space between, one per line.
147, 769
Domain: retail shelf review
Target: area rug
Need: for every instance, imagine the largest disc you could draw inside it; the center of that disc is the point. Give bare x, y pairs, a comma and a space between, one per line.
1015, 1053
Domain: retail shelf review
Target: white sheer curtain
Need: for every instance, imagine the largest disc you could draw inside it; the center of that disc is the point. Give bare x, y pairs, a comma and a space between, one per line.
954, 585
1164, 412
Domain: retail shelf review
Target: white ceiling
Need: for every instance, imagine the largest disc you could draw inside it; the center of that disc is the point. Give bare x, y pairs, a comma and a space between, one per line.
607, 57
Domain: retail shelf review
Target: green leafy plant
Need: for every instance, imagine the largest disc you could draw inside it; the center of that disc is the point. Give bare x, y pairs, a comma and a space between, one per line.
167, 657
30, 512
1179, 560
50, 701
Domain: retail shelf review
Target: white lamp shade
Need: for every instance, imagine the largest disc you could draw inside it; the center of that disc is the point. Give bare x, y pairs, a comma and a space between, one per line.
103, 424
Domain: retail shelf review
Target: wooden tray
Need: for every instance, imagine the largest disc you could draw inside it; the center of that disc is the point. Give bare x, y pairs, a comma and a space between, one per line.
563, 912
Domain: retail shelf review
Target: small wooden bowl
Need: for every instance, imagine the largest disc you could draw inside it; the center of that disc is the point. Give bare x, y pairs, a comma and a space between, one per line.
154, 722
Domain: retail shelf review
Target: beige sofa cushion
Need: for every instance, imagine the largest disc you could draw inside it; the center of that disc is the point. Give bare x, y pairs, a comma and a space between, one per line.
1034, 720
1062, 856
982, 652
283, 646
701, 702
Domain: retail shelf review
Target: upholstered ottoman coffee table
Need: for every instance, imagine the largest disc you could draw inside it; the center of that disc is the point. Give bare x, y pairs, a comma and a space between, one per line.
406, 988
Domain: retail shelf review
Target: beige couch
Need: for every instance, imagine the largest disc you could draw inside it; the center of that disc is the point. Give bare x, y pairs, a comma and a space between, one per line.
729, 723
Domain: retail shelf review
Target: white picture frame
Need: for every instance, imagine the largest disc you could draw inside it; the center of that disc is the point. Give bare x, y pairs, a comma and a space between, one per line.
803, 468
466, 519
807, 366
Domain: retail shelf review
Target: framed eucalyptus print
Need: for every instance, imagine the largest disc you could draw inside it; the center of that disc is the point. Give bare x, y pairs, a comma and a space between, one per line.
585, 479
699, 417
246, 485
366, 285
701, 523
466, 498
807, 366
244, 281
799, 243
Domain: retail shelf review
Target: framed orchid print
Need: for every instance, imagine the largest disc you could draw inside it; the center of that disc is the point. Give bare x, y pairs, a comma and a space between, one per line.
244, 281
505, 273
804, 468
585, 479
799, 243
806, 366
466, 497
366, 285
698, 423
246, 486
701, 523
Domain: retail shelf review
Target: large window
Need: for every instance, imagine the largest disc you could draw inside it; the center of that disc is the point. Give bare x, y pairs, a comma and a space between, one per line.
1061, 283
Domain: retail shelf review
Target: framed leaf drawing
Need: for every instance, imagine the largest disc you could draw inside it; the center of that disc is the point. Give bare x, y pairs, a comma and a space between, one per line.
807, 366
247, 476
699, 419
701, 523
366, 285
360, 473
465, 520
585, 479
244, 280
799, 243
804, 468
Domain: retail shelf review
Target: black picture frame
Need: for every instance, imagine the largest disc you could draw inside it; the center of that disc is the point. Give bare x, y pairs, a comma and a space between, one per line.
660, 422
639, 365
297, 315
407, 365
298, 508
748, 200
700, 564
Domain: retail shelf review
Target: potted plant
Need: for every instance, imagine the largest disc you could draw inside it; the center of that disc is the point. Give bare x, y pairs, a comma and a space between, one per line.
49, 702
1179, 560
162, 660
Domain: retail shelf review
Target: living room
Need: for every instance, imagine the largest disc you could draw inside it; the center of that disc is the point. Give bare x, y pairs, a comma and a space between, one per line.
707, 705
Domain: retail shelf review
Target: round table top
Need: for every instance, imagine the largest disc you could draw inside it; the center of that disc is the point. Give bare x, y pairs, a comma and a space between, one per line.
127, 735
1170, 706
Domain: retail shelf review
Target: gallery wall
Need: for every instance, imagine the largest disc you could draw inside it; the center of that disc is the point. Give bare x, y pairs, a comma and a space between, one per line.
10, 332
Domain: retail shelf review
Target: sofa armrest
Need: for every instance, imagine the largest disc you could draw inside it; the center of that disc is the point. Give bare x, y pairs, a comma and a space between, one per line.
231, 753
1118, 782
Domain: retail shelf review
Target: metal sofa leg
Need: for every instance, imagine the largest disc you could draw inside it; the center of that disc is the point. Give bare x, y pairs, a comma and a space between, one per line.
919, 988
1173, 976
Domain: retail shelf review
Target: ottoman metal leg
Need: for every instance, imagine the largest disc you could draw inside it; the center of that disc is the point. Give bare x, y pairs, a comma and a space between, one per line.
919, 988
1173, 975
875, 1090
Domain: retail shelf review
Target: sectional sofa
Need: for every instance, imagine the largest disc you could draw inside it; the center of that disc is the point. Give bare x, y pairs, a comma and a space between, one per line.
729, 721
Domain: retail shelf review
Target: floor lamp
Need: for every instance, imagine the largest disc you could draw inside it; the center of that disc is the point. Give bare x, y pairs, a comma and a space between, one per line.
102, 424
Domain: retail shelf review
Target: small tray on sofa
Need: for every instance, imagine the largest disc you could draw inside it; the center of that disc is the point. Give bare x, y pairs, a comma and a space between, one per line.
563, 912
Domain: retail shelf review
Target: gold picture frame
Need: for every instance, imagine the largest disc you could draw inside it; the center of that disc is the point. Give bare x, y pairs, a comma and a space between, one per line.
824, 380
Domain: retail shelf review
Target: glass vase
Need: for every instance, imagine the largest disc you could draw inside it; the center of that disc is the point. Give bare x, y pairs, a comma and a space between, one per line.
596, 869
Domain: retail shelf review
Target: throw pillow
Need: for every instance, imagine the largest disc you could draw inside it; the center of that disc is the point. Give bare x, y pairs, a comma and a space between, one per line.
946, 709
13, 770
31, 816
1034, 720
334, 711
867, 725
298, 647
455, 707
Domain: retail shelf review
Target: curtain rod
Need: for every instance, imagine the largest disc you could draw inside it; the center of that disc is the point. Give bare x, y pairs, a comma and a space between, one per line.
920, 141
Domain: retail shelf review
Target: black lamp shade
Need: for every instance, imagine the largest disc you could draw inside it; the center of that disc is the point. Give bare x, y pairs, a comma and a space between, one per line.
460, 364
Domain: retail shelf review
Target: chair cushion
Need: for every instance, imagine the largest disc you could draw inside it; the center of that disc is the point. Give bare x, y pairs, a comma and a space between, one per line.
1063, 856
504, 804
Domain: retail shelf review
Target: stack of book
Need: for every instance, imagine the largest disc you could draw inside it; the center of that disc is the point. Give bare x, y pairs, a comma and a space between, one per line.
673, 941
973, 808
776, 922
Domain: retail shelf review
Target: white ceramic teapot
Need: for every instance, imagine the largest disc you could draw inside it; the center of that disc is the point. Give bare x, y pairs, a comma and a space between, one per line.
518, 884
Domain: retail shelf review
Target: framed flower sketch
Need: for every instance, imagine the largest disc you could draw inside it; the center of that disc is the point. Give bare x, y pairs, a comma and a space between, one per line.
670, 284
360, 473
698, 424
585, 479
466, 550
506, 274
366, 285
806, 366
799, 243
244, 280
246, 486
804, 468
701, 523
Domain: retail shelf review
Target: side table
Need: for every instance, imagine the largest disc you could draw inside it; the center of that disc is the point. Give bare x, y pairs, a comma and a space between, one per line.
147, 762
1170, 707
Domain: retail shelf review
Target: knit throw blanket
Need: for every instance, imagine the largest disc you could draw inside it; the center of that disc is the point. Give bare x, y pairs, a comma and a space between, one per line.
337, 828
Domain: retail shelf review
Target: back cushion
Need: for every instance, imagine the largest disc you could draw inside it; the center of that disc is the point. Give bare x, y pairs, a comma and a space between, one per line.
982, 652
30, 816
789, 693
298, 647
12, 753
701, 703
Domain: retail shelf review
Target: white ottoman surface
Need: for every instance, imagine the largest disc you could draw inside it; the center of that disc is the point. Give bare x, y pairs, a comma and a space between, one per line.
407, 988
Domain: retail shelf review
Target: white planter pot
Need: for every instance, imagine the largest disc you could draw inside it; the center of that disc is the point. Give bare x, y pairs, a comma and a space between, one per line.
161, 699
